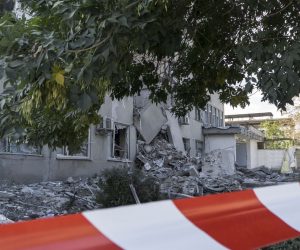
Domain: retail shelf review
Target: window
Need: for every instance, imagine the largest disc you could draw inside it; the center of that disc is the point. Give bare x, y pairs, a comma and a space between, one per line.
199, 147
120, 141
206, 114
82, 152
221, 119
218, 118
186, 144
202, 114
213, 122
212, 116
197, 114
9, 146
184, 120
209, 114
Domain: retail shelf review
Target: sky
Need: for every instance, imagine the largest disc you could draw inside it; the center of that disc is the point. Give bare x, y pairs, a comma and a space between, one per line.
256, 106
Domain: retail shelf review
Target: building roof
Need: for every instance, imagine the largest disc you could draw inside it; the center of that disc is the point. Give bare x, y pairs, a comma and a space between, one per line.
256, 122
249, 133
249, 115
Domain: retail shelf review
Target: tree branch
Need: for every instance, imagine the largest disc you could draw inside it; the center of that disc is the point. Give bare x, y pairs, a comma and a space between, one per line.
282, 9
92, 47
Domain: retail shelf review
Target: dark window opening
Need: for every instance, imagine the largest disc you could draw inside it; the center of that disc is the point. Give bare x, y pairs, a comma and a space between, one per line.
120, 142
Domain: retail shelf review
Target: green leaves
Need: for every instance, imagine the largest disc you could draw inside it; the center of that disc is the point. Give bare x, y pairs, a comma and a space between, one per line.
58, 75
59, 78
68, 54
84, 102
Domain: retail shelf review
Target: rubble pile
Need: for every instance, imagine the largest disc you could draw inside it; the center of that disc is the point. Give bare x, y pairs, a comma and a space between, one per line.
183, 176
175, 171
178, 176
47, 199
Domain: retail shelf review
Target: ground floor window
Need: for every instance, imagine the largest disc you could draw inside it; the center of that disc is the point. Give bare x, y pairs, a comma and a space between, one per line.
120, 141
7, 145
199, 147
83, 151
186, 144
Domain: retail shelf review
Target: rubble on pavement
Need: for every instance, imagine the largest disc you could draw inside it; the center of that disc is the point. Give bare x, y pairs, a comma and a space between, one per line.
182, 176
178, 175
47, 199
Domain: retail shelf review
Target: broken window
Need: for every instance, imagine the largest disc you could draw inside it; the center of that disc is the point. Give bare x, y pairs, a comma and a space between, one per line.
7, 145
82, 152
199, 147
120, 141
186, 144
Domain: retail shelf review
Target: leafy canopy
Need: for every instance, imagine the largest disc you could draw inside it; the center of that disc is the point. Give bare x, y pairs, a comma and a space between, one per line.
59, 62
279, 134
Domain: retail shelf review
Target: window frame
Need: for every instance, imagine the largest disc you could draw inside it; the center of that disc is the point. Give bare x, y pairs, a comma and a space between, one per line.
7, 141
112, 142
61, 156
196, 142
198, 114
184, 139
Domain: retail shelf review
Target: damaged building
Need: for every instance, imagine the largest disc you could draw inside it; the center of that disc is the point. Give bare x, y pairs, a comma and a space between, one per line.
111, 143
116, 141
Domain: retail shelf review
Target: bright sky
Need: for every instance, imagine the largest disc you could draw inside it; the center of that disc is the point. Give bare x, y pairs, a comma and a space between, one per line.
256, 106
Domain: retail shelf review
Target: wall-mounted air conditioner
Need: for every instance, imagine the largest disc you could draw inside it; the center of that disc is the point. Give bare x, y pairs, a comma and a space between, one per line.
106, 125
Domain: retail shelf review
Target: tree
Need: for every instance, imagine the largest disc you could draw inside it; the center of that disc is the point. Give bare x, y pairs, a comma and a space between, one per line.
58, 64
277, 136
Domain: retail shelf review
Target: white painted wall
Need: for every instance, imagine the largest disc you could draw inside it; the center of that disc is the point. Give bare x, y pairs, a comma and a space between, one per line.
193, 131
216, 142
252, 160
270, 158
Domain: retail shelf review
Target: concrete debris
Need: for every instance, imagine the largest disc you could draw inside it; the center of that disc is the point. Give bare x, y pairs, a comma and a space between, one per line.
47, 199
6, 195
4, 220
182, 176
219, 163
177, 173
174, 131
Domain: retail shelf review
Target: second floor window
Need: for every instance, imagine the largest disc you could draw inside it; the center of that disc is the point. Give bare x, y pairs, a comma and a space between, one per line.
197, 114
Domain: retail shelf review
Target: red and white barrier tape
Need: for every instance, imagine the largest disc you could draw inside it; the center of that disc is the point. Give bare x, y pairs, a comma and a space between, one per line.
239, 220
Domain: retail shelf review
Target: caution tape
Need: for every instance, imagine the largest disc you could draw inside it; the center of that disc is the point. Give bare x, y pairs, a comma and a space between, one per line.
239, 220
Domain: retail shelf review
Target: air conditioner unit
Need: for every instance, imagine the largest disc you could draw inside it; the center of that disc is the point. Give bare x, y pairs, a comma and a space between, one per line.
184, 120
105, 126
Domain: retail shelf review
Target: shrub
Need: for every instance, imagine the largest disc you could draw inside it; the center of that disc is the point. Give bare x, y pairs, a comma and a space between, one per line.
116, 190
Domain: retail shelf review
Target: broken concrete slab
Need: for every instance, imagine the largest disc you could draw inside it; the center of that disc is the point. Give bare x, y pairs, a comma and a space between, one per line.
149, 122
6, 195
219, 163
174, 131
